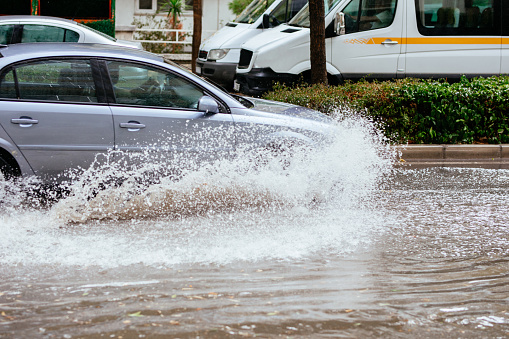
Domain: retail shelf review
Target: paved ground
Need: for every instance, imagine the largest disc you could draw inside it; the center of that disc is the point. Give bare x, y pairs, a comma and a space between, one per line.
485, 156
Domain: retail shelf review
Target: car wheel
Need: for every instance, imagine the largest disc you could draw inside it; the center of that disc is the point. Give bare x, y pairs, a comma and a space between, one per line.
7, 172
280, 153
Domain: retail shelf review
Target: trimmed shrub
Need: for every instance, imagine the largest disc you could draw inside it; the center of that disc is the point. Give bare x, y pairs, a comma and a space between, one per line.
417, 111
105, 26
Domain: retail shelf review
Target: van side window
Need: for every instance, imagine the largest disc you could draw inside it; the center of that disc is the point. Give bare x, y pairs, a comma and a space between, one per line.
458, 17
505, 23
364, 15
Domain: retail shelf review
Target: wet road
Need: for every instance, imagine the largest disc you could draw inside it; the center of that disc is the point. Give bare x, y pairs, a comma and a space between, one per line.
420, 253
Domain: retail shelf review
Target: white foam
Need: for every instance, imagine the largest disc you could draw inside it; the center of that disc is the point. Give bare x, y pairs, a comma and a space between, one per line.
226, 211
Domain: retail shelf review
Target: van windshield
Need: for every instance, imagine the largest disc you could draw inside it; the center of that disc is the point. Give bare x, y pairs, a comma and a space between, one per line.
302, 18
253, 11
286, 10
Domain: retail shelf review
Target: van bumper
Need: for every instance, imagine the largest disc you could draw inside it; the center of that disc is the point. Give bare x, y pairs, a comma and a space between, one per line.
260, 80
221, 73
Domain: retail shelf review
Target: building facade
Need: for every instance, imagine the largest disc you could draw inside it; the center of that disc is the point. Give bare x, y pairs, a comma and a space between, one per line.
117, 17
99, 14
215, 15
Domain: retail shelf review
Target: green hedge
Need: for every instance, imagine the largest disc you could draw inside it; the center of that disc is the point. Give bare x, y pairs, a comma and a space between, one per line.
105, 26
418, 111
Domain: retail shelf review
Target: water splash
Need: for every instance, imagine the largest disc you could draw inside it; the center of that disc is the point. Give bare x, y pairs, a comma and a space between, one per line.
222, 211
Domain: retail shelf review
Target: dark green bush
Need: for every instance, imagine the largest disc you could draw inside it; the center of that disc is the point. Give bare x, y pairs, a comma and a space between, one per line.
418, 111
105, 26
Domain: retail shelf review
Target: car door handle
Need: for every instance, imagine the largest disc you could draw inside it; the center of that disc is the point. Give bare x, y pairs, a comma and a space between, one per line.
389, 42
25, 121
132, 125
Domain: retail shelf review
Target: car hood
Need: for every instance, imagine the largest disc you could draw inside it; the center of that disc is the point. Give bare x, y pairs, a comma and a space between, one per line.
285, 109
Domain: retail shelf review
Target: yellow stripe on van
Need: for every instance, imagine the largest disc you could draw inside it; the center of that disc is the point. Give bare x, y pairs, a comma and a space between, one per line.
439, 41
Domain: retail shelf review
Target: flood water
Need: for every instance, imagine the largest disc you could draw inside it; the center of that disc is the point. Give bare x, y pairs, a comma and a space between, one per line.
340, 244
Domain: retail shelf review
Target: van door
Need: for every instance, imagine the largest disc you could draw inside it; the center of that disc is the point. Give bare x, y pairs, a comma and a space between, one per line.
451, 38
371, 45
505, 39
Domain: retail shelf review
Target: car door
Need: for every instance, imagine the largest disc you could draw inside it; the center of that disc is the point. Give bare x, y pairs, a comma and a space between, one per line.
371, 45
451, 38
50, 109
155, 110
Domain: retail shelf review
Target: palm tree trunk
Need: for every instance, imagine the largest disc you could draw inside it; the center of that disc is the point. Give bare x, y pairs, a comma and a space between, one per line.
197, 27
317, 46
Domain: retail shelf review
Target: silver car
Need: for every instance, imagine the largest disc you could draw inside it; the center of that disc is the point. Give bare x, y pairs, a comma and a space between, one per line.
32, 28
63, 104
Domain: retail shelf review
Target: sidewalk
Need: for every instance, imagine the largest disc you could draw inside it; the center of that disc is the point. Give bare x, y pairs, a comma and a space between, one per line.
482, 156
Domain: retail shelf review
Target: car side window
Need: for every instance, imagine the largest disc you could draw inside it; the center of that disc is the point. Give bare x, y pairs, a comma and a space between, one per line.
458, 17
6, 34
60, 80
365, 15
71, 36
7, 85
135, 84
43, 33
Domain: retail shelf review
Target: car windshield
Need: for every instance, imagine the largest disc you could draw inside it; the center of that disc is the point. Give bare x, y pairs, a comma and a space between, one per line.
98, 32
253, 11
302, 18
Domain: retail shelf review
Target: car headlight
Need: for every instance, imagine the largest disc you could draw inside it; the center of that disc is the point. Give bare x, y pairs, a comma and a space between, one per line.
217, 54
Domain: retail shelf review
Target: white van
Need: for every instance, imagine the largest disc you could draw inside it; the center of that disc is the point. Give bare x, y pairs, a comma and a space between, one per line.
382, 39
219, 55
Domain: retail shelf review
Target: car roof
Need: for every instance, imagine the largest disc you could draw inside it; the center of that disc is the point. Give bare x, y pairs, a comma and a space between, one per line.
26, 51
35, 18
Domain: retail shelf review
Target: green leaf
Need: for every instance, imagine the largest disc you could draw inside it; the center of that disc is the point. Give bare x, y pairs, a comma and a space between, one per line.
136, 314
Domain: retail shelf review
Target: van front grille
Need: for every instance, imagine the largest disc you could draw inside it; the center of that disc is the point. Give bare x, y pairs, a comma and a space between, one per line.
245, 58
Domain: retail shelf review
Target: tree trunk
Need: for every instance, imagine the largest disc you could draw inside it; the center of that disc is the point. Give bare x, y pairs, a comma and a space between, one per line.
317, 46
197, 15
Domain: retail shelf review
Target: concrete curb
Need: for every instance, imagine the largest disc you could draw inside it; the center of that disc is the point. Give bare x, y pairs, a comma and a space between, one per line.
485, 156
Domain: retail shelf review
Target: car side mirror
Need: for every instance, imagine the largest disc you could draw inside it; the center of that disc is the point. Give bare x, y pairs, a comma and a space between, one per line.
339, 24
208, 105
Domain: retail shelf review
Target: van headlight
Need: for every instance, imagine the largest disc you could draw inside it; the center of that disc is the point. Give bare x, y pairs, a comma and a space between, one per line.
217, 54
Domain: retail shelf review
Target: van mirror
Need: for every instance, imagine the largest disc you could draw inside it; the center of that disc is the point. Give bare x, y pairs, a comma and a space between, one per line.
339, 24
266, 21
